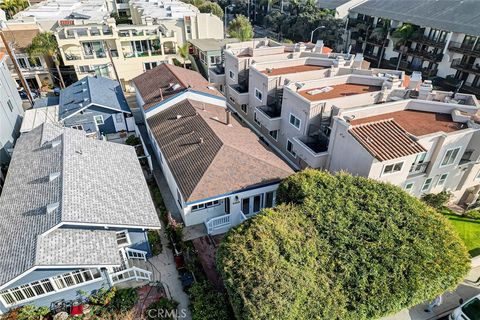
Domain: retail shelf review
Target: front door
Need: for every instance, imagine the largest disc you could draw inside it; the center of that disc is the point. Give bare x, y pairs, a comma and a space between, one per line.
252, 204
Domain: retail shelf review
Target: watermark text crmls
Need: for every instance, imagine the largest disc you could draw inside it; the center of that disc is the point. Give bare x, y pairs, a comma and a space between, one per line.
166, 314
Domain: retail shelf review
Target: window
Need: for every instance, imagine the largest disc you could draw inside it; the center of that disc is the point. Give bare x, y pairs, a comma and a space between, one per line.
269, 199
442, 179
426, 184
273, 134
294, 121
206, 205
212, 60
450, 157
256, 120
84, 69
77, 126
189, 29
22, 62
392, 168
119, 118
258, 94
123, 239
244, 108
149, 65
35, 62
10, 105
290, 148
409, 187
231, 74
98, 119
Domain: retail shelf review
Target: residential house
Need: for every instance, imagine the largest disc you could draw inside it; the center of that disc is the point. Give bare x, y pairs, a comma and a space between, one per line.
217, 170
208, 53
11, 112
35, 70
440, 45
73, 216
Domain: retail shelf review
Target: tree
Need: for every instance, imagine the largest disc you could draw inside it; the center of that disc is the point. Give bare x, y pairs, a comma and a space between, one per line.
380, 34
240, 28
211, 7
183, 52
400, 37
206, 303
45, 44
12, 7
339, 247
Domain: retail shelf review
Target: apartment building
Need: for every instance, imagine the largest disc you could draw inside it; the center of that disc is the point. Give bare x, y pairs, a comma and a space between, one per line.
340, 7
158, 29
35, 70
444, 42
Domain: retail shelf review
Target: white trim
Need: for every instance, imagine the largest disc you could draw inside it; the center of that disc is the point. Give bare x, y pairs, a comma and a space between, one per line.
299, 121
261, 93
423, 189
95, 105
411, 189
275, 139
440, 179
95, 117
127, 237
393, 167
293, 153
445, 154
106, 225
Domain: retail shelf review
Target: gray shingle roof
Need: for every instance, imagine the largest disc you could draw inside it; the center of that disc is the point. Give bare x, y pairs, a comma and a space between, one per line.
451, 15
91, 90
99, 183
331, 4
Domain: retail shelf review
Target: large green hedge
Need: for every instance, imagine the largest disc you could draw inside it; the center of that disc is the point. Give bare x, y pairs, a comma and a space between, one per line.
340, 247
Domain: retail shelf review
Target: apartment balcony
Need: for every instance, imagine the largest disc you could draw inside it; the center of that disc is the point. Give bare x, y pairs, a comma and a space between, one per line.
71, 57
468, 49
406, 66
269, 117
431, 42
216, 75
95, 55
469, 87
92, 33
418, 168
239, 93
312, 151
425, 55
466, 67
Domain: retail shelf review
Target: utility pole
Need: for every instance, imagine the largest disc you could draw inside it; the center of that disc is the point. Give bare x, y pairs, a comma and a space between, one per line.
17, 68
113, 65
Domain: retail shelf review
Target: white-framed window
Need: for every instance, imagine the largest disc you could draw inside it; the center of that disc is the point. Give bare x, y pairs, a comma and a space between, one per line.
10, 105
442, 179
189, 29
123, 238
427, 184
294, 121
450, 157
256, 120
258, 94
231, 74
149, 65
273, 134
290, 148
244, 108
84, 69
98, 119
409, 187
392, 168
22, 63
119, 117
202, 206
77, 126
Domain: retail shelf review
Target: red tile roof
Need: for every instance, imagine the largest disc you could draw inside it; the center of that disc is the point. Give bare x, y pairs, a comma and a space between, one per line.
338, 91
209, 158
385, 140
166, 80
293, 69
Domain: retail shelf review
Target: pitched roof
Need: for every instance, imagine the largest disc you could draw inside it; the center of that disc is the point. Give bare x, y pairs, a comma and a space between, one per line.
209, 158
166, 80
385, 140
78, 180
89, 91
458, 16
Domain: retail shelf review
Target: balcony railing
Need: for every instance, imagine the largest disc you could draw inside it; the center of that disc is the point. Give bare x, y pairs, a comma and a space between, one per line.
419, 168
431, 42
218, 223
269, 117
426, 55
312, 151
465, 48
467, 67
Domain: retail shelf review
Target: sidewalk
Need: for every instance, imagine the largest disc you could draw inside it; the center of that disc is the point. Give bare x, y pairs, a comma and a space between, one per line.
464, 291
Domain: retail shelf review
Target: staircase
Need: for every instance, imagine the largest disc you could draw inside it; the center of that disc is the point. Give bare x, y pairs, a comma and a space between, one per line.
135, 268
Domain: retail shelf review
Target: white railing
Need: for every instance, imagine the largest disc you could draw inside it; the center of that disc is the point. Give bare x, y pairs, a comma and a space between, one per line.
132, 273
136, 254
217, 223
242, 217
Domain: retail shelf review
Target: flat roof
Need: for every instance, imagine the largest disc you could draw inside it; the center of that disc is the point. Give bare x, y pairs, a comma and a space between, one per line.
337, 91
418, 123
211, 44
288, 70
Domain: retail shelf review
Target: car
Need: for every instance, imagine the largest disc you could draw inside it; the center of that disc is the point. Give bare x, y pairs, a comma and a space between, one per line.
24, 96
470, 310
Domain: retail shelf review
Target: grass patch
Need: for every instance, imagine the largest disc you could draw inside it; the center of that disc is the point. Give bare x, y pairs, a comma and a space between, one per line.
468, 229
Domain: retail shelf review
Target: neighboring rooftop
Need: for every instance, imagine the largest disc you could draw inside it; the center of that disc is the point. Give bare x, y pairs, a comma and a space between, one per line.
165, 80
163, 9
37, 116
417, 123
201, 150
89, 91
211, 44
58, 175
458, 16
337, 91
385, 139
271, 72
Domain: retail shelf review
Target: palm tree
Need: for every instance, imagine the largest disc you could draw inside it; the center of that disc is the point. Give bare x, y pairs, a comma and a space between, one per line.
183, 51
45, 44
400, 37
381, 34
12, 7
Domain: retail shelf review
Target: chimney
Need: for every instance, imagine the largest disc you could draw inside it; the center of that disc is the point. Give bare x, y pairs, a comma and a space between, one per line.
425, 89
228, 117
415, 80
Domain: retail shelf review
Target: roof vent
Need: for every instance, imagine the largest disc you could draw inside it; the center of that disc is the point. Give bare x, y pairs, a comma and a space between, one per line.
179, 116
201, 141
53, 176
269, 70
176, 86
54, 143
52, 207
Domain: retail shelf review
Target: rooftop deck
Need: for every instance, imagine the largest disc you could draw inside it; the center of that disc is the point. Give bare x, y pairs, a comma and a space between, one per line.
337, 91
418, 123
271, 72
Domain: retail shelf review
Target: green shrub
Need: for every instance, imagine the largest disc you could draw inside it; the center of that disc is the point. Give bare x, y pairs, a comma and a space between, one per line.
124, 300
133, 140
30, 312
162, 309
208, 304
437, 201
155, 242
473, 214
101, 297
344, 248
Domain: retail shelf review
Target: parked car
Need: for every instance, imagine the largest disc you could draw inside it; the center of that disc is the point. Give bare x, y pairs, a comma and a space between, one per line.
23, 94
470, 310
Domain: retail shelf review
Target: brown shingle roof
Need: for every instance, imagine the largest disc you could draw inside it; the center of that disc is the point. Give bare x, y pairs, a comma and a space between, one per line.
156, 84
385, 140
292, 69
208, 158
